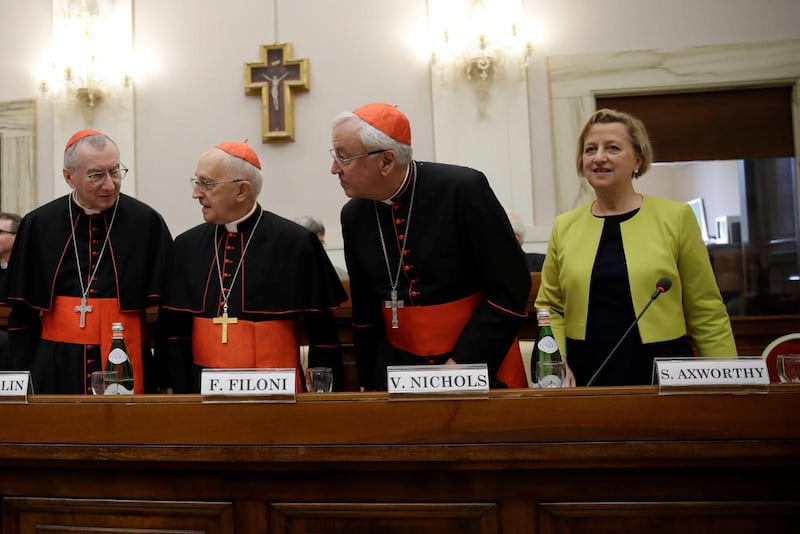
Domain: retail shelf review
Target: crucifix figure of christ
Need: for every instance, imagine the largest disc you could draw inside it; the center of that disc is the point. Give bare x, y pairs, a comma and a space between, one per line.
394, 304
224, 320
82, 309
275, 78
273, 92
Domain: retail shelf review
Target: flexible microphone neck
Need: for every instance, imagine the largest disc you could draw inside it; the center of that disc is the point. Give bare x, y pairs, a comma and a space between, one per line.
662, 286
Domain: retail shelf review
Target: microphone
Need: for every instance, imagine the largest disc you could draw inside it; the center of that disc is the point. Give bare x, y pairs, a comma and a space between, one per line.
662, 286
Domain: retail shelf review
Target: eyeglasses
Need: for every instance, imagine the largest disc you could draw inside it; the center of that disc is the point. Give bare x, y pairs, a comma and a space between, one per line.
344, 161
116, 174
205, 185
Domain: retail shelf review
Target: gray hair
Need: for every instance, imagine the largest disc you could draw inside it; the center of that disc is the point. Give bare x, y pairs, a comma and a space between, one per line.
374, 139
311, 223
14, 218
243, 170
96, 141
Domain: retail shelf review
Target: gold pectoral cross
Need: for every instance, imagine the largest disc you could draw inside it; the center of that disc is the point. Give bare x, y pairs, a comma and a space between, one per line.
225, 321
394, 304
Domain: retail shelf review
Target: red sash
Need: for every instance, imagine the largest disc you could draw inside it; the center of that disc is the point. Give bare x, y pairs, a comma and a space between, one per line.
61, 324
251, 345
435, 329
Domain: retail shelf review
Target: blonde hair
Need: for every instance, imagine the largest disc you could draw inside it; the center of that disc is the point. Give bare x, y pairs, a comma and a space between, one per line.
637, 134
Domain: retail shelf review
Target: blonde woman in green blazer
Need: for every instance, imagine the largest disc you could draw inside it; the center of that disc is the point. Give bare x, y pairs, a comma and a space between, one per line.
604, 259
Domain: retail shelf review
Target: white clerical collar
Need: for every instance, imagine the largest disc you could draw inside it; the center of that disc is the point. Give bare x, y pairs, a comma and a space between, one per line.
87, 211
233, 227
389, 201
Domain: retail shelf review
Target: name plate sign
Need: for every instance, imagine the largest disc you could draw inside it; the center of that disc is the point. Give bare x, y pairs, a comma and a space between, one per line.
676, 372
14, 384
423, 379
248, 382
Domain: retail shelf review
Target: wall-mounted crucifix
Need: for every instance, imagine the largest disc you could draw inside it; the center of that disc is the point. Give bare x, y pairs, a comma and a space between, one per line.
275, 78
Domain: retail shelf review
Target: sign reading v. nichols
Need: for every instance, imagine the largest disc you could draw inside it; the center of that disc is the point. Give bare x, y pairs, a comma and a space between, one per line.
418, 379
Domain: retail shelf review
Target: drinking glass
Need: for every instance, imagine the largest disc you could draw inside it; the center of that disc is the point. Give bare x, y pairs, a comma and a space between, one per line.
788, 367
550, 374
104, 382
319, 379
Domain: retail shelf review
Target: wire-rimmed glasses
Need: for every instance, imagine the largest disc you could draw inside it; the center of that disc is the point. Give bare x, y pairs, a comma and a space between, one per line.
344, 161
116, 174
204, 185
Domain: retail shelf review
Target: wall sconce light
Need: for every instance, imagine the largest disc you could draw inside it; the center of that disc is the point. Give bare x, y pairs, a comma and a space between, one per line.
479, 41
91, 54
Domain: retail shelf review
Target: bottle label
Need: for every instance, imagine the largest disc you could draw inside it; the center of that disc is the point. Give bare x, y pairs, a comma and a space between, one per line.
550, 381
118, 388
117, 356
547, 344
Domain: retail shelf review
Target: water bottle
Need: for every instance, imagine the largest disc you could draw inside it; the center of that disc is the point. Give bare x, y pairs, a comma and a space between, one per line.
119, 362
549, 368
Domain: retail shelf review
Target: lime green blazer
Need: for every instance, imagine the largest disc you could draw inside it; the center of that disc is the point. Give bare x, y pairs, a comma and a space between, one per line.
662, 239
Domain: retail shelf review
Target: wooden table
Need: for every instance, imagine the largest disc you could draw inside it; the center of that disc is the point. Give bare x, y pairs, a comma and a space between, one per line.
590, 460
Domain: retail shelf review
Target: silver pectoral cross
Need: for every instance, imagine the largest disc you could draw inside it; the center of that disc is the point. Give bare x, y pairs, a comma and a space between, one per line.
82, 309
394, 304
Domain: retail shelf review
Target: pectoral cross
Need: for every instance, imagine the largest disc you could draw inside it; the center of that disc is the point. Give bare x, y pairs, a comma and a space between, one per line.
82, 309
225, 321
394, 304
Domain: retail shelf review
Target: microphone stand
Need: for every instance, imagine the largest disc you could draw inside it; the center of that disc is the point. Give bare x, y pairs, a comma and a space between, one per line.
655, 295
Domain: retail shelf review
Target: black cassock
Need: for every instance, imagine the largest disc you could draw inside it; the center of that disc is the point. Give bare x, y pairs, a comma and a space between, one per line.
286, 275
43, 266
458, 242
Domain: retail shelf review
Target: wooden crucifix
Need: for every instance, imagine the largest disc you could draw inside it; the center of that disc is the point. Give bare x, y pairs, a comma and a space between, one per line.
275, 78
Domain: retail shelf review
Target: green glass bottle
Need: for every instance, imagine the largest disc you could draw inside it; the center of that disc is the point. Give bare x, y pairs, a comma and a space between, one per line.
548, 367
119, 362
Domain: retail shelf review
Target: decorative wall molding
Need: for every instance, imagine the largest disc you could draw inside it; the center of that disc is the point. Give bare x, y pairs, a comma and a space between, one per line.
575, 80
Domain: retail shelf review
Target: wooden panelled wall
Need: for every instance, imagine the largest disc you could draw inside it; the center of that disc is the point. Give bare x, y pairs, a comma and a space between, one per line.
572, 461
714, 125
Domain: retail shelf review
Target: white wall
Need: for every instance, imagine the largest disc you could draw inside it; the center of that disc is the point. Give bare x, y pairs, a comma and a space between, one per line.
193, 95
195, 90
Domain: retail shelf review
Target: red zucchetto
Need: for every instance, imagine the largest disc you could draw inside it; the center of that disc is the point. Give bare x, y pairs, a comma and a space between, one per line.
388, 119
241, 151
80, 135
